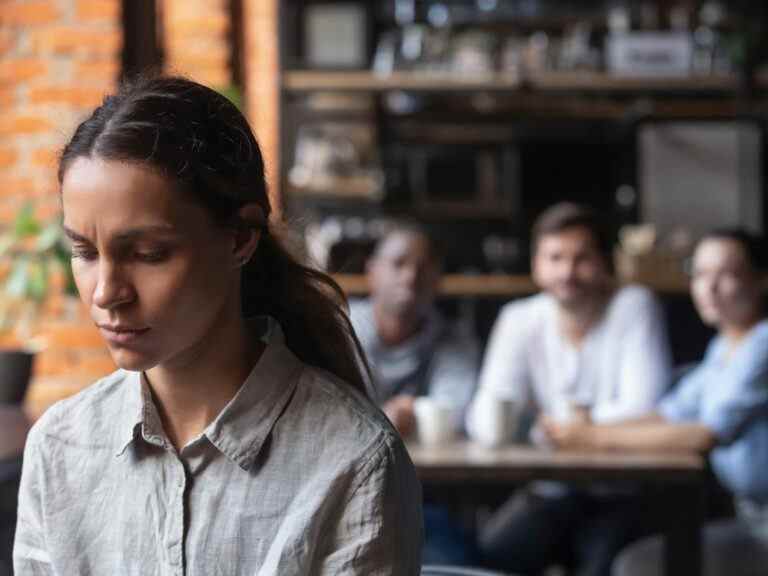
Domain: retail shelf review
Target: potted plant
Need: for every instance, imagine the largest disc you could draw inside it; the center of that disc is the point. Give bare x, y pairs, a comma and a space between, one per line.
34, 263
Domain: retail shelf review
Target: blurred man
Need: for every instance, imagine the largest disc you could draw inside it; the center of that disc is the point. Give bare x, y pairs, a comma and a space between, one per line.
413, 351
720, 408
582, 350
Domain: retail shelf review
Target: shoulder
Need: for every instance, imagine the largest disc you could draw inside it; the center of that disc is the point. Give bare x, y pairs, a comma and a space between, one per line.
336, 418
525, 312
634, 298
86, 417
360, 311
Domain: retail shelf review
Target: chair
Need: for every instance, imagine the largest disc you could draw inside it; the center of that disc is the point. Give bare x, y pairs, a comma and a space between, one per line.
433, 570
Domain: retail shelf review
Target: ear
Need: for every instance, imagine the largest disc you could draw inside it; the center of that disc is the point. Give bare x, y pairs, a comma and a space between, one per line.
250, 221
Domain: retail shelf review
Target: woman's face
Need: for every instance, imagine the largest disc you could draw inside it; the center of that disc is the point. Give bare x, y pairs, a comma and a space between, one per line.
157, 275
724, 286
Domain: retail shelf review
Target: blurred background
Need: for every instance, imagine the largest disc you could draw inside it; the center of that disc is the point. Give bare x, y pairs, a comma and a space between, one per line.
471, 116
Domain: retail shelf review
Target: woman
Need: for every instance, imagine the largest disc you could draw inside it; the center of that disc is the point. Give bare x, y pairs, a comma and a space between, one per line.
237, 437
721, 407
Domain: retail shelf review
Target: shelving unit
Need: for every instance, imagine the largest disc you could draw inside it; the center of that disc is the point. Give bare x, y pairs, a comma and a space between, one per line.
497, 285
592, 82
572, 135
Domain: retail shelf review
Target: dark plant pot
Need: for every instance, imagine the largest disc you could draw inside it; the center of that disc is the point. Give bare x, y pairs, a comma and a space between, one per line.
15, 374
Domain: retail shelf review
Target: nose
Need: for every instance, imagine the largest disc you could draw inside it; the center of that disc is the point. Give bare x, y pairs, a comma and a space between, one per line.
409, 275
112, 288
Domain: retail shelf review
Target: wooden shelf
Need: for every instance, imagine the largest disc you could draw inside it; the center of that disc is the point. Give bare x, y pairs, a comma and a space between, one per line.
495, 285
365, 81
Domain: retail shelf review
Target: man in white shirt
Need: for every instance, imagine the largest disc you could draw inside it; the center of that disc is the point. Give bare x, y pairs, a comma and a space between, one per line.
581, 349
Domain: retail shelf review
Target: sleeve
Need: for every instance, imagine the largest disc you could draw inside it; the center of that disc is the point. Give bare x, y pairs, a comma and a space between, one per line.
504, 373
453, 374
745, 395
645, 364
30, 554
682, 404
380, 532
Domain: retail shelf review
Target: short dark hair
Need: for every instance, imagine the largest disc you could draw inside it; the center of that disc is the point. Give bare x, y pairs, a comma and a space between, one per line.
753, 245
409, 226
565, 215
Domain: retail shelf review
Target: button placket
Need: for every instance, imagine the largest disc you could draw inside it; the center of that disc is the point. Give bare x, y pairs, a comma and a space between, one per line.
175, 542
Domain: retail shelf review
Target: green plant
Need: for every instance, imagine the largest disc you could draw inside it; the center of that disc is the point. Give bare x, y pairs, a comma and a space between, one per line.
31, 252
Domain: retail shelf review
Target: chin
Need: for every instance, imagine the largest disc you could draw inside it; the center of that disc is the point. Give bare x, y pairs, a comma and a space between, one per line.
132, 361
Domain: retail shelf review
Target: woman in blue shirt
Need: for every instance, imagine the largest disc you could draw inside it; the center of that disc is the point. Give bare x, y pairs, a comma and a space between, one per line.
721, 407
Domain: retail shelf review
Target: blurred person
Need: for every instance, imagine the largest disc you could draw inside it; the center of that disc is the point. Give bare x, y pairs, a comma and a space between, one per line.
414, 351
720, 408
236, 437
582, 350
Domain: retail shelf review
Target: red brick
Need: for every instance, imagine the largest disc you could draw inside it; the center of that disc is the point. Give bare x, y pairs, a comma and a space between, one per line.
83, 336
8, 157
98, 70
64, 39
216, 24
82, 97
17, 71
45, 157
27, 13
7, 41
7, 98
12, 186
192, 62
12, 125
98, 10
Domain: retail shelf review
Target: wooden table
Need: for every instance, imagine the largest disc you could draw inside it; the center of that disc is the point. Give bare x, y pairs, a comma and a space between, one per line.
464, 467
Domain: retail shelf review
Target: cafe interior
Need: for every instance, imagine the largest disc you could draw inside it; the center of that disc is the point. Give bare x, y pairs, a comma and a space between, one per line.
455, 123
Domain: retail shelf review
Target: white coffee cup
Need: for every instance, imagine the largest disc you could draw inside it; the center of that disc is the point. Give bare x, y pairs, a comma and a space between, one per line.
435, 421
495, 419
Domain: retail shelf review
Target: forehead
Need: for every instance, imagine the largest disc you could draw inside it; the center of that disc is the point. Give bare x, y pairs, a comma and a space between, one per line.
720, 253
112, 194
571, 238
404, 244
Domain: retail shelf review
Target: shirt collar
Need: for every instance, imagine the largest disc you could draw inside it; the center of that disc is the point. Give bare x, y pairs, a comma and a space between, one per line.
241, 428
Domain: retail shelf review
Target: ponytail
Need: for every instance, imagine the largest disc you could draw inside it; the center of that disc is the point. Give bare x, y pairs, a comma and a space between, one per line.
310, 308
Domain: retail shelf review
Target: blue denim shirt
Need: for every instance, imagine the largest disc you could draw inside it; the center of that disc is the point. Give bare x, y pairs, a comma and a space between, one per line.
729, 395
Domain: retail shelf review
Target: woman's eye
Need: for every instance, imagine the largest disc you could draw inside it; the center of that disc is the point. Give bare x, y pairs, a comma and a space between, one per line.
83, 253
151, 255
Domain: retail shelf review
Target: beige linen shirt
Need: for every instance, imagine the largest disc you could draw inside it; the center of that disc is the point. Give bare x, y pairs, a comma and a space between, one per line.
299, 474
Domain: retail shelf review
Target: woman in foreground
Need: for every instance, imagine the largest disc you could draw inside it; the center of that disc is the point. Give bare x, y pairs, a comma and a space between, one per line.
237, 436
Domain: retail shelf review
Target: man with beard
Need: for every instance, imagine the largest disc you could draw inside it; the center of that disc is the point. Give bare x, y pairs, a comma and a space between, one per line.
584, 349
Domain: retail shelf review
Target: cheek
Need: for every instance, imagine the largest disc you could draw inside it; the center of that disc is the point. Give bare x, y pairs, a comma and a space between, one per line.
86, 277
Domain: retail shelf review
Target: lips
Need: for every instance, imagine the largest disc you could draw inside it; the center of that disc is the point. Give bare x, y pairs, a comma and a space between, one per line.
121, 334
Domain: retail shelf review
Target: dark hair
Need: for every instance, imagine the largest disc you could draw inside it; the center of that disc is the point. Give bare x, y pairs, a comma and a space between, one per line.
202, 143
753, 245
412, 227
565, 215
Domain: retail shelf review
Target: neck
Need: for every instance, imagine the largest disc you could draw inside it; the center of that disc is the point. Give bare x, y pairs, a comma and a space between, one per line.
394, 329
577, 321
735, 333
191, 391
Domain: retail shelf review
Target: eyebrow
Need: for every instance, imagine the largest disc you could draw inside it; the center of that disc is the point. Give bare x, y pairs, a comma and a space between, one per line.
125, 235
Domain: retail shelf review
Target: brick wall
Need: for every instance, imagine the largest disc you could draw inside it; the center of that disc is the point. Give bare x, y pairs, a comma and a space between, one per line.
262, 85
196, 39
57, 59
